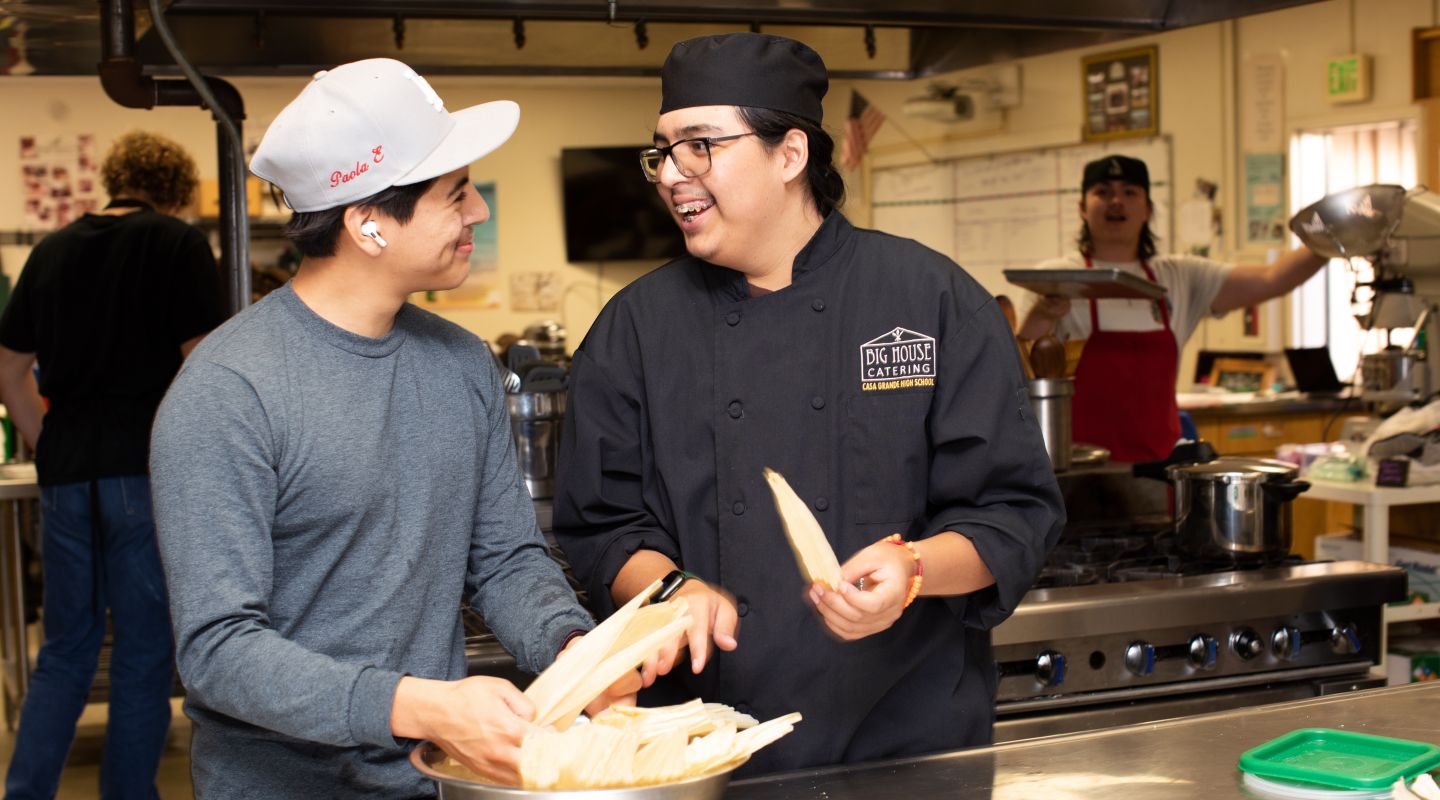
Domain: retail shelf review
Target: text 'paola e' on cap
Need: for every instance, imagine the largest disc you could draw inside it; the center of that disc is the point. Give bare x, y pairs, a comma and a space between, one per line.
366, 126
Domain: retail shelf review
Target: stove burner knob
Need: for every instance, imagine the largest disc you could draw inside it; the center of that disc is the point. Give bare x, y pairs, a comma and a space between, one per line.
1285, 643
1203, 651
1050, 668
1345, 640
1247, 644
1140, 658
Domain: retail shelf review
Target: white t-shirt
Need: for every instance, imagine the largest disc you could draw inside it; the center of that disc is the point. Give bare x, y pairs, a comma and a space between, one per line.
1191, 282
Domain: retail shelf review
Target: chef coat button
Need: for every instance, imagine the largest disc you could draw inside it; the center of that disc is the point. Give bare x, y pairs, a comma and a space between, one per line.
736, 409
733, 318
821, 504
817, 304
742, 608
817, 402
738, 508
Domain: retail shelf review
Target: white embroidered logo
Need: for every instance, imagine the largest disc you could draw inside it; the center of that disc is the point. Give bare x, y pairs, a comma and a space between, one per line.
430, 95
898, 359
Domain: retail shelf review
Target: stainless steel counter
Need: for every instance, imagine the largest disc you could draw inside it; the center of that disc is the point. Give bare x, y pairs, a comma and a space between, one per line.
18, 491
1286, 404
1193, 757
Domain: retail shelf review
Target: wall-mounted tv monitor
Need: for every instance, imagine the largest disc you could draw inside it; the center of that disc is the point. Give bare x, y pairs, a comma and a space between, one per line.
611, 212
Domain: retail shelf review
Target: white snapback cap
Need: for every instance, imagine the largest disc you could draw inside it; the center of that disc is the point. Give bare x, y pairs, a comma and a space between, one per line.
369, 125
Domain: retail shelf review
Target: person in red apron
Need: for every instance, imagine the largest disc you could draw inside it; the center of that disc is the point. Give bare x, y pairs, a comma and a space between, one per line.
1125, 381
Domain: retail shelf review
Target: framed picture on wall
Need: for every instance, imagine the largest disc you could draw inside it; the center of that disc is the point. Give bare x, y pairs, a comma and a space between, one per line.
1120, 94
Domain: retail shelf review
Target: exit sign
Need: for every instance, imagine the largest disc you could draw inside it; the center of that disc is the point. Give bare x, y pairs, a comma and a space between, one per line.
1347, 78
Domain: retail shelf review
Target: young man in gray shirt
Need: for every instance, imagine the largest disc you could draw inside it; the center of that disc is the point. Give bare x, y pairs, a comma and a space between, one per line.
333, 470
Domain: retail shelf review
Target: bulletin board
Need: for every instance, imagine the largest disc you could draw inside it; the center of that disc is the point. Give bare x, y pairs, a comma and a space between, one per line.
1010, 210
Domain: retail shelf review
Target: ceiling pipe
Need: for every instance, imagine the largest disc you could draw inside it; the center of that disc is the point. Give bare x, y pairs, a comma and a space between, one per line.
123, 80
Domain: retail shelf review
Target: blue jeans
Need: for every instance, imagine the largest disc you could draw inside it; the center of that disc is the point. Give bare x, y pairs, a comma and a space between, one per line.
99, 551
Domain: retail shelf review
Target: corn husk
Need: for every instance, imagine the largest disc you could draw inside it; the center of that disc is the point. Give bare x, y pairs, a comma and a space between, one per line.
807, 540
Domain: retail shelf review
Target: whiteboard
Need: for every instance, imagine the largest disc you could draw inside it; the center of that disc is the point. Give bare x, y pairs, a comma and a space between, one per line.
1009, 210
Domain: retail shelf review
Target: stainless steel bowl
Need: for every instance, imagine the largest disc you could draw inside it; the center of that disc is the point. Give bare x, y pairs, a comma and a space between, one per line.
427, 755
1355, 222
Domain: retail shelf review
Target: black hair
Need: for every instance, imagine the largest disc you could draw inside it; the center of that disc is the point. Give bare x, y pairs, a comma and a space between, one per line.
1146, 249
314, 233
827, 187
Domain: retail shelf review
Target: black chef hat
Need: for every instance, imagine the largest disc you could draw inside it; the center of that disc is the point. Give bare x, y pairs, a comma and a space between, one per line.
744, 69
1116, 168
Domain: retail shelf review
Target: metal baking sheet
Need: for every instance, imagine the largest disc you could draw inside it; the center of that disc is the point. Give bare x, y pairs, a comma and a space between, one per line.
1089, 284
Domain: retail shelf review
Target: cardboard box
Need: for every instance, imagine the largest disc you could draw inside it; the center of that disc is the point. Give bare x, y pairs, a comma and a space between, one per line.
1412, 661
1419, 557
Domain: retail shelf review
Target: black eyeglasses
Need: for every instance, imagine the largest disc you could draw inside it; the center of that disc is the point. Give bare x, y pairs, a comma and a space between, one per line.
690, 156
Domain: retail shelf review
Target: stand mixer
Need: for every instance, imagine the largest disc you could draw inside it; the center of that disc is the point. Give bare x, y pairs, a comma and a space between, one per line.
1404, 251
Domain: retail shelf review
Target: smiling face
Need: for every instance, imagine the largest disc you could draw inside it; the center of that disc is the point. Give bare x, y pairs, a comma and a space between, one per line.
1115, 212
432, 251
726, 212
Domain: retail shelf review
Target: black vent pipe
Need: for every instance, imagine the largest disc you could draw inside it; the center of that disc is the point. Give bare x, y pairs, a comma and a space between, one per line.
124, 82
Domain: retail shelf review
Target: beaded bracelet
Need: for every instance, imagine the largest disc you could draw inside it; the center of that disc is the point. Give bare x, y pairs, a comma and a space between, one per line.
919, 577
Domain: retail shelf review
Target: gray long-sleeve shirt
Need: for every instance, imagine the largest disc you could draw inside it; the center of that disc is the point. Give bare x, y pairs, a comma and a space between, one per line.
323, 500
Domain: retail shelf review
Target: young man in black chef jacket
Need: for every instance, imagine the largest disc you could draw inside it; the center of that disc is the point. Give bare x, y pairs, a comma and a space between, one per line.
873, 373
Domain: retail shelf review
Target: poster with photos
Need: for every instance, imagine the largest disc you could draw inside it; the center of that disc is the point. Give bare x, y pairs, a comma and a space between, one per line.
59, 180
1121, 94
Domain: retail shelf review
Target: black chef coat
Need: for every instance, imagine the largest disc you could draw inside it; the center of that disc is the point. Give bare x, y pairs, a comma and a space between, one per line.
884, 384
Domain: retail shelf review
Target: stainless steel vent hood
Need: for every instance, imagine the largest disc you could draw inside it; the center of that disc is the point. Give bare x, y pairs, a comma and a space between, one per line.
900, 39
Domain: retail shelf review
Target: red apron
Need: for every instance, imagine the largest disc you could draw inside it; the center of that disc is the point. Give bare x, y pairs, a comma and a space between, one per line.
1125, 389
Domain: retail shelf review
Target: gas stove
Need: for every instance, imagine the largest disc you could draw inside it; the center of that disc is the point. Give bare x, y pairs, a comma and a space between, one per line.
1121, 628
1142, 550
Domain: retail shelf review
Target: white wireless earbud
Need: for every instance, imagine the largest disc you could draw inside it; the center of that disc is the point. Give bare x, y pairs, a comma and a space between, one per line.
373, 231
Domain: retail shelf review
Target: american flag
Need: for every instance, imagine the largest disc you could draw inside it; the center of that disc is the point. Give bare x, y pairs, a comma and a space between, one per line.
860, 127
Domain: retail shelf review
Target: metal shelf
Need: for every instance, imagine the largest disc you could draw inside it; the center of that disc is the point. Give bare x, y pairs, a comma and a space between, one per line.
1414, 612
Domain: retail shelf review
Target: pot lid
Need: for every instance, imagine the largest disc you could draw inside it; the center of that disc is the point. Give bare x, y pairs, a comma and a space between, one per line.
1238, 468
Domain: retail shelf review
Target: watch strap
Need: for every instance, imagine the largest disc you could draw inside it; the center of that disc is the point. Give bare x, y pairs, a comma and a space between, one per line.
671, 584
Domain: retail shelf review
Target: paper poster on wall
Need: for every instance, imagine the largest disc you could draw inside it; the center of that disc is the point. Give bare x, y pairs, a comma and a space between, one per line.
535, 291
59, 179
1264, 198
1121, 94
481, 288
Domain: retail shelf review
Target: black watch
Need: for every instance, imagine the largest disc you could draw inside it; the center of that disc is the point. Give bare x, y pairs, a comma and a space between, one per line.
671, 584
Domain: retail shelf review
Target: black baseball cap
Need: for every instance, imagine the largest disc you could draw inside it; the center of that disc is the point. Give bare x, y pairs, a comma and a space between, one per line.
744, 69
1116, 168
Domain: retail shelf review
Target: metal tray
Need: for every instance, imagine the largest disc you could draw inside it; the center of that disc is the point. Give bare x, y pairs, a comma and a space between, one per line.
1089, 284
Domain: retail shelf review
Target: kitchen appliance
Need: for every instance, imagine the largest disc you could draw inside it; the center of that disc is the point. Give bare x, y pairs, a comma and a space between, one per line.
548, 338
535, 421
1234, 506
1125, 625
1398, 233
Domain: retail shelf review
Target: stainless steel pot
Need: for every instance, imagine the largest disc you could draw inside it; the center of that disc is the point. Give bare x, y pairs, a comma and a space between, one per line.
1050, 399
1234, 506
426, 756
535, 421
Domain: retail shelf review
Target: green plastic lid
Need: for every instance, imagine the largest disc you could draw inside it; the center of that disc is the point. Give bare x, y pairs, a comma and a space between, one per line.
1340, 758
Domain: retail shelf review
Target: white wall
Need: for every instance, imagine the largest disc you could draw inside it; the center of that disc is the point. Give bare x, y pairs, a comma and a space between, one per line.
1197, 110
1198, 72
